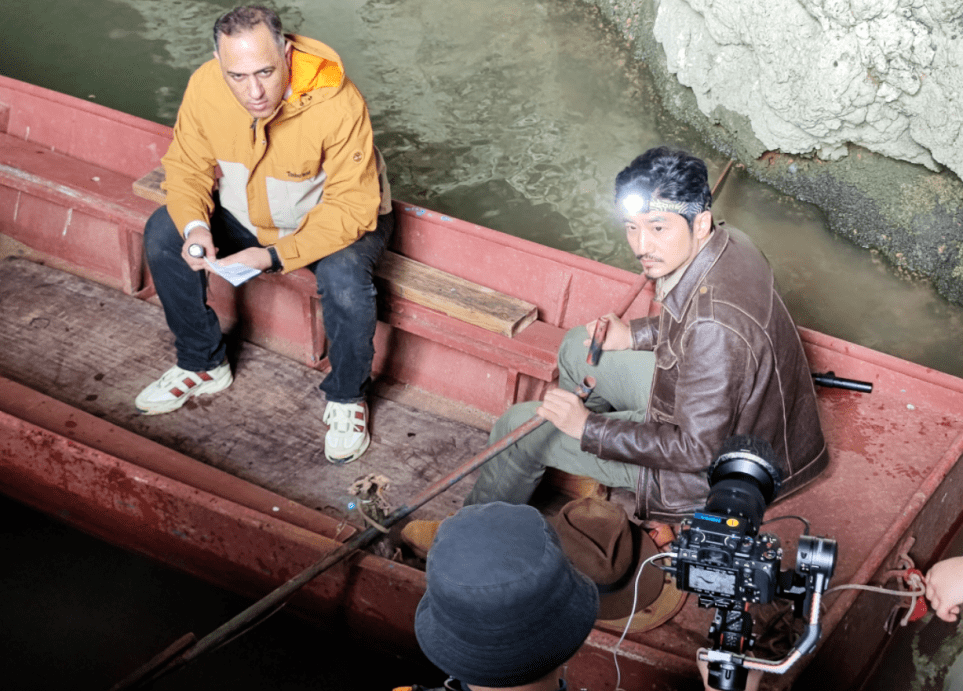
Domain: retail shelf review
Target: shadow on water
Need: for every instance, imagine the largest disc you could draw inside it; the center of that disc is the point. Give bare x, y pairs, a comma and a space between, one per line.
514, 115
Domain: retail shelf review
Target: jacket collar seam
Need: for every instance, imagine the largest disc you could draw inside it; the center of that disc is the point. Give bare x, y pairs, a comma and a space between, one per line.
680, 298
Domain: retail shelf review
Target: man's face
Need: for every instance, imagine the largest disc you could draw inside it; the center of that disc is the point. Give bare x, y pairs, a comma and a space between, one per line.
663, 242
256, 70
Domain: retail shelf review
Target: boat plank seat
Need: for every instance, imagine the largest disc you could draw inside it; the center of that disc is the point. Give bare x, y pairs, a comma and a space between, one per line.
418, 299
90, 217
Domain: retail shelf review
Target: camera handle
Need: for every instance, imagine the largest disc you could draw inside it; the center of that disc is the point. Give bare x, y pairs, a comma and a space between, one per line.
803, 646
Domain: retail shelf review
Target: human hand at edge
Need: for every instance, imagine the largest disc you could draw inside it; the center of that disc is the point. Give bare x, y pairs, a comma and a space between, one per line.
944, 588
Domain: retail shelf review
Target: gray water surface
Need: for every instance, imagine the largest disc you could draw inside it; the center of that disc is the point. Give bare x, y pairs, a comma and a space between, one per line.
514, 115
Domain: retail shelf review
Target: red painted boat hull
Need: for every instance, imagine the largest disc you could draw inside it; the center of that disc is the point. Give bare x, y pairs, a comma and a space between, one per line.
66, 168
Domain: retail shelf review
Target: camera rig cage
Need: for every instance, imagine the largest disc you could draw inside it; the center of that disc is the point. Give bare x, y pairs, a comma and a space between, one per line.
720, 556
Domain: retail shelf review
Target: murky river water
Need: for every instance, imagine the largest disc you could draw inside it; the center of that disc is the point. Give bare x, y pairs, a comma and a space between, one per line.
514, 115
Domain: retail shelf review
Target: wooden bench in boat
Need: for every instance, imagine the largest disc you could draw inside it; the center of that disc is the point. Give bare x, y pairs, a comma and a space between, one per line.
81, 217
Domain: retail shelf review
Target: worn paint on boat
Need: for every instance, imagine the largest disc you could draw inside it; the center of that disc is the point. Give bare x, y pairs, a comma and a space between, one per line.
66, 170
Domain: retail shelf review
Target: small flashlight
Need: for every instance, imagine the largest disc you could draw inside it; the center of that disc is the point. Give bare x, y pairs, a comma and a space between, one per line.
196, 250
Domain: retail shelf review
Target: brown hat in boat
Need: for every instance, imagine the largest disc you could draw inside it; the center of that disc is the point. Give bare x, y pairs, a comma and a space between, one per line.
607, 547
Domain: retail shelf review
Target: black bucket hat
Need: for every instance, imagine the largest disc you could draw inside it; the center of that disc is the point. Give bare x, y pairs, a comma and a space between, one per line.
504, 606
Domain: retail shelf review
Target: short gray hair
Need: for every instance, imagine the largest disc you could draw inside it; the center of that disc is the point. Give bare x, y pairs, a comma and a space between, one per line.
245, 18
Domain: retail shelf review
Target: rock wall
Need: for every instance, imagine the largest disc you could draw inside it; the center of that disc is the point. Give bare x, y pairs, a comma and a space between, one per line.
854, 105
814, 76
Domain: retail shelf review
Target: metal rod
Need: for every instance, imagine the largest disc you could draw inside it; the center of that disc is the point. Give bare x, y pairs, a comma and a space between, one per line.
722, 176
829, 379
150, 668
277, 597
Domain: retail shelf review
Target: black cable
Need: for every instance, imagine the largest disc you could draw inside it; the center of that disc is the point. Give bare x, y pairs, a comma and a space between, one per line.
798, 518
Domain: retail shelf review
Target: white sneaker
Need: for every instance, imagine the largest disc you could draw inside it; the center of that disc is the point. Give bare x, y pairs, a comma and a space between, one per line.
176, 385
347, 436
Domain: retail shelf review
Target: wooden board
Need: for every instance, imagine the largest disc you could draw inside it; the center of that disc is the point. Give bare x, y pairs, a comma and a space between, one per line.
454, 296
149, 186
420, 283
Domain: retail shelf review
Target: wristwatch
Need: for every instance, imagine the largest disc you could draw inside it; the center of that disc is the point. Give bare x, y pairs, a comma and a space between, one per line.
276, 264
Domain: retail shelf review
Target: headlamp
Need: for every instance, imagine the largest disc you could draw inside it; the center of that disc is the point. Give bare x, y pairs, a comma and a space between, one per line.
635, 203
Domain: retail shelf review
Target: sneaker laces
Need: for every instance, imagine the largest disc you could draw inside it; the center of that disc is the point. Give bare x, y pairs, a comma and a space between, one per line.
175, 375
341, 417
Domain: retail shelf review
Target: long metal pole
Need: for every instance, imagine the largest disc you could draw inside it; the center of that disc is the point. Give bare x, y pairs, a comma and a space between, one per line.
162, 665
157, 668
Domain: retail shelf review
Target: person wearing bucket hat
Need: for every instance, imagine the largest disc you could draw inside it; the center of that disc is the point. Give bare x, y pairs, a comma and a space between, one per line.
610, 549
504, 606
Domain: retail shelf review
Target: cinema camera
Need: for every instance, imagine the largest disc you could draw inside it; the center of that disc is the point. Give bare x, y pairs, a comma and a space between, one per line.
720, 556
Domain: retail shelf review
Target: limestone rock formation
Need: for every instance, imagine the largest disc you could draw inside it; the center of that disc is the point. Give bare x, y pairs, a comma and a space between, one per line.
813, 76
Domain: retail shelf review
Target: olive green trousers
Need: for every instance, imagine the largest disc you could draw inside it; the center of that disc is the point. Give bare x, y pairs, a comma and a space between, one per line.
623, 382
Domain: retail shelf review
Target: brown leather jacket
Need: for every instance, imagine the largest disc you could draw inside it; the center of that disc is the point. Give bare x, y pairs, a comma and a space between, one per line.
729, 361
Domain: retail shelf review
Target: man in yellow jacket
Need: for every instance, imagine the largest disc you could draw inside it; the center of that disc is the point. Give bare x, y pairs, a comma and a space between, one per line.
273, 167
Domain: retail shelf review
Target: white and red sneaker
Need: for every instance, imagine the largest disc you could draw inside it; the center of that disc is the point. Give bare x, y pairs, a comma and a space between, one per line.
347, 436
176, 385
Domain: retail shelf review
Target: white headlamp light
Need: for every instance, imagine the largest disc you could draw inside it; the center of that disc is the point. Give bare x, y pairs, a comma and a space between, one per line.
634, 203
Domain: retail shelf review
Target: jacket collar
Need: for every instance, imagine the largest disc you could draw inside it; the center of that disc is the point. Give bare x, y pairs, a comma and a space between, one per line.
679, 297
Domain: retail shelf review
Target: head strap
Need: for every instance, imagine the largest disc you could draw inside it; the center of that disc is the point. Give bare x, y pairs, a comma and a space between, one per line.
635, 203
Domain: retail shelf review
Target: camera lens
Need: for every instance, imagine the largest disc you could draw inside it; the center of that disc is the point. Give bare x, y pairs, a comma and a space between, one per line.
743, 480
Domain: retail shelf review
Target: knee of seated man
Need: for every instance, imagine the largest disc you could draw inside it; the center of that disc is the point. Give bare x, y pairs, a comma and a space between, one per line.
161, 236
513, 418
345, 276
575, 338
573, 345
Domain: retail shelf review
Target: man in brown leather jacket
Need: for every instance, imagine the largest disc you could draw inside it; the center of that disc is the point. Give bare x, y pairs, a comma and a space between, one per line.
722, 358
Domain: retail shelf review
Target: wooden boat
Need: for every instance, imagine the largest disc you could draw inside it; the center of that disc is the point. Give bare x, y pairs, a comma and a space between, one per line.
230, 490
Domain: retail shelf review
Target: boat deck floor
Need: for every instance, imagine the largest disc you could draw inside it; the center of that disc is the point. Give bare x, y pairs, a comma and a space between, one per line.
95, 348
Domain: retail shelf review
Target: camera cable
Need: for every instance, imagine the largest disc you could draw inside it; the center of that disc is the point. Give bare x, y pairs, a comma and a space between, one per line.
635, 601
782, 518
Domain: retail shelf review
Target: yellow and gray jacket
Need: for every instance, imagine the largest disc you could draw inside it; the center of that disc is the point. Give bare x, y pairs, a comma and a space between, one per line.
307, 179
